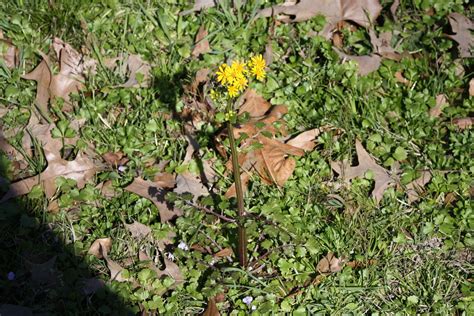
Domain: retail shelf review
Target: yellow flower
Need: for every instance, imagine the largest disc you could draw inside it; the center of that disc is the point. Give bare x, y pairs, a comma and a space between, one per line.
241, 82
223, 74
214, 95
233, 91
257, 64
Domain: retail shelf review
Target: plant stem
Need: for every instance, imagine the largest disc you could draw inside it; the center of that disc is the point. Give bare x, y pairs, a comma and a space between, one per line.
242, 241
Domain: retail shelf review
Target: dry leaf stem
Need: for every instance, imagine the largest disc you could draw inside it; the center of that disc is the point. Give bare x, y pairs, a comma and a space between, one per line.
242, 242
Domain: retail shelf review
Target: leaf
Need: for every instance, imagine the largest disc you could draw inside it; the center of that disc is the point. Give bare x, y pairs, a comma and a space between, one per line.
254, 104
394, 8
366, 162
136, 66
211, 309
366, 64
115, 158
463, 123
306, 140
199, 5
138, 230
226, 252
461, 27
329, 264
414, 188
171, 269
189, 183
100, 246
382, 45
69, 79
441, 102
8, 52
471, 87
400, 78
362, 12
155, 193
202, 44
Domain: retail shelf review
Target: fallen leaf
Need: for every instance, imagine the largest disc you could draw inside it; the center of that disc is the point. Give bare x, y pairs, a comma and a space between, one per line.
254, 104
462, 27
69, 79
306, 140
362, 12
115, 158
329, 264
155, 193
393, 9
463, 123
414, 188
226, 252
211, 309
9, 53
441, 102
138, 230
165, 179
268, 54
100, 246
106, 189
471, 87
202, 44
366, 64
400, 78
366, 162
244, 180
199, 5
186, 182
171, 269
136, 66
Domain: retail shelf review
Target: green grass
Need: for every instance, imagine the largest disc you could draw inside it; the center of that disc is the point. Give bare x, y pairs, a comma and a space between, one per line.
421, 254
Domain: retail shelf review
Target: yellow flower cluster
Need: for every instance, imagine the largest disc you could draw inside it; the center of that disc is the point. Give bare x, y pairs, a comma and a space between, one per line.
234, 77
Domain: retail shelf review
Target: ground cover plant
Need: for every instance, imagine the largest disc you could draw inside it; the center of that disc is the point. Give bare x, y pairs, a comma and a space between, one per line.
120, 119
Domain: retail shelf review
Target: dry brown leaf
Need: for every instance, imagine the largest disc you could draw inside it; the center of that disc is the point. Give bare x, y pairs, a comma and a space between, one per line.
171, 269
471, 87
211, 309
186, 182
69, 79
400, 78
462, 28
199, 5
100, 246
306, 140
382, 45
202, 44
9, 53
393, 9
463, 123
155, 193
414, 188
115, 158
138, 230
329, 264
165, 180
244, 179
136, 65
226, 252
366, 64
366, 162
268, 54
441, 102
106, 189
254, 104
362, 12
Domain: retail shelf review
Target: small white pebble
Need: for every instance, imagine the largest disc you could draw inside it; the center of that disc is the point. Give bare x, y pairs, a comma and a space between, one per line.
254, 307
170, 256
122, 168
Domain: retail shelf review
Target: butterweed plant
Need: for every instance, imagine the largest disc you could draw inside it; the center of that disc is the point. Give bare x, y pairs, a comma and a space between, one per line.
232, 80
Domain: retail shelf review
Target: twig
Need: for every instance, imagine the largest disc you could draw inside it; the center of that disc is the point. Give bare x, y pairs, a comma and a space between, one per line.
208, 211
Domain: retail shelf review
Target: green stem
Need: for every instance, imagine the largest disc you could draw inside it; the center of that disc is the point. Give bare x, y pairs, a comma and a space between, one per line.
242, 242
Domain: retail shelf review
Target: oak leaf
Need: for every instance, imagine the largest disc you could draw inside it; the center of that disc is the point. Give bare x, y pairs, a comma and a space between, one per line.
8, 53
155, 193
202, 44
329, 264
462, 27
366, 163
211, 309
414, 188
362, 12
